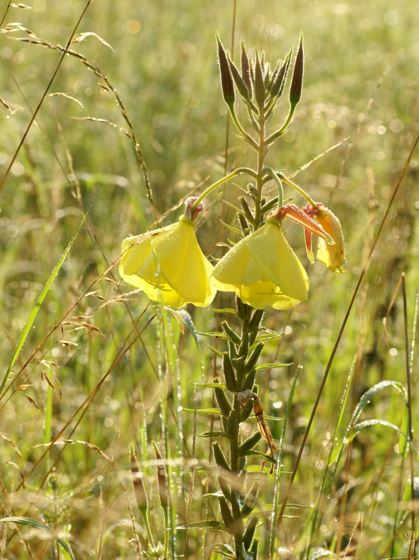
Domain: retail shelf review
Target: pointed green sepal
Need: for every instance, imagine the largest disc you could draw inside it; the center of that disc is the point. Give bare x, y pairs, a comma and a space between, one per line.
278, 82
238, 80
259, 84
246, 70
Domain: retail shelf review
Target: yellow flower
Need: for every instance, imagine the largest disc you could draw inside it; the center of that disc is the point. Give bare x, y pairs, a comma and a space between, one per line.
263, 270
167, 264
331, 254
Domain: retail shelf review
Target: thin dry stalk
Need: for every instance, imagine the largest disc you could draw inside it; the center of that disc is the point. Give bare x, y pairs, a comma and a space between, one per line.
65, 50
342, 328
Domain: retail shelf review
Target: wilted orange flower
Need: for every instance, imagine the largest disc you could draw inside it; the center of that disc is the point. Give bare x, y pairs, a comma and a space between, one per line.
331, 254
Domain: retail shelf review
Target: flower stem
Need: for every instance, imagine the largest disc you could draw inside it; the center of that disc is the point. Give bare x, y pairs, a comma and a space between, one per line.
277, 179
236, 360
243, 376
294, 186
220, 182
283, 128
240, 128
260, 171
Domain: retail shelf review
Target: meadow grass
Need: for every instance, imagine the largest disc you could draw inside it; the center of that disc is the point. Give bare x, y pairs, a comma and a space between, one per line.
99, 387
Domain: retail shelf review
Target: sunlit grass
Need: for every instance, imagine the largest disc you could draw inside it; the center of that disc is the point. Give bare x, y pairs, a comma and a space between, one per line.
103, 370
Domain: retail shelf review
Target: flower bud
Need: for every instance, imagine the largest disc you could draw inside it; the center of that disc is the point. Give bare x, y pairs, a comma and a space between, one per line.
227, 85
297, 77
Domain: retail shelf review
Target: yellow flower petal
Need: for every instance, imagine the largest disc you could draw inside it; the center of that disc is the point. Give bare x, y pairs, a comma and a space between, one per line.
168, 265
278, 261
263, 270
263, 294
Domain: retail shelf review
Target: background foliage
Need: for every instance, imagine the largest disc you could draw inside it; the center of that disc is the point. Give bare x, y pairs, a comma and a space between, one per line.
360, 91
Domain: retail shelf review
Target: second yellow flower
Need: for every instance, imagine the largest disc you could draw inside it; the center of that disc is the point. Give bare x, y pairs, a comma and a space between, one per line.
263, 270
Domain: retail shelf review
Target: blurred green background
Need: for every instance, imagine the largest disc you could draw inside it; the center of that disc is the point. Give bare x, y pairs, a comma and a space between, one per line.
360, 84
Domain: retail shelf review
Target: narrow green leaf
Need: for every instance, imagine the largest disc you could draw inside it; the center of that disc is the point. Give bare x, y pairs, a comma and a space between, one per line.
365, 399
249, 381
205, 411
249, 533
184, 318
206, 524
220, 457
230, 378
37, 306
372, 422
274, 365
210, 385
226, 514
253, 452
249, 443
253, 358
232, 335
222, 401
29, 522
215, 434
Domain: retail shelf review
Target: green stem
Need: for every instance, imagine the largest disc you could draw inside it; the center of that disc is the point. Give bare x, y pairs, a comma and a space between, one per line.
240, 128
260, 170
278, 181
148, 528
283, 128
250, 320
220, 182
294, 186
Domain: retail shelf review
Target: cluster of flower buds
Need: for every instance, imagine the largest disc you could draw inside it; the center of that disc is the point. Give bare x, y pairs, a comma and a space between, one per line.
260, 87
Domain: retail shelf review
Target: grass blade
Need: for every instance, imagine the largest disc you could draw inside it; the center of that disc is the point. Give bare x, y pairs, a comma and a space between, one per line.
29, 522
37, 306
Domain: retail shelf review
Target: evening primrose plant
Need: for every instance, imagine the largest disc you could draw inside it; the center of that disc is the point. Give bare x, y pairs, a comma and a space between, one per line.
261, 270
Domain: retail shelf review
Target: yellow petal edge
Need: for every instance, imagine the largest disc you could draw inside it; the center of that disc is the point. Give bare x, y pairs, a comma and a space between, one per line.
263, 270
168, 265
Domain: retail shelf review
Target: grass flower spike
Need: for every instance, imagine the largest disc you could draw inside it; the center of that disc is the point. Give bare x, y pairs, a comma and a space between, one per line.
263, 270
167, 264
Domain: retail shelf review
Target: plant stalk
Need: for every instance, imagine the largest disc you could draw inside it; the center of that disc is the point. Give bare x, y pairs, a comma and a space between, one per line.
238, 355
